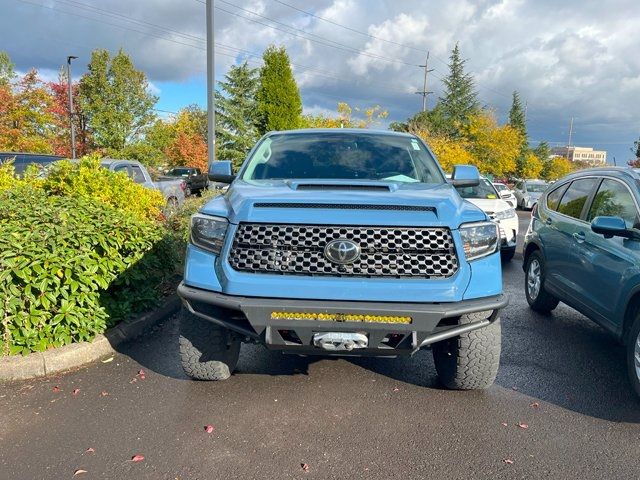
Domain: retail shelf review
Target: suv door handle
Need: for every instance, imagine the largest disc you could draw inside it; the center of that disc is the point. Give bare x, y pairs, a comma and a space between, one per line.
548, 221
579, 237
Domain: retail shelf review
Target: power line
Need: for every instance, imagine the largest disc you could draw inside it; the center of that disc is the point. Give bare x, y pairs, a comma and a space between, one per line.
335, 45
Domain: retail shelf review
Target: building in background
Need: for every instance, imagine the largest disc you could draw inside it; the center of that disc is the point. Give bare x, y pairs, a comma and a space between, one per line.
582, 154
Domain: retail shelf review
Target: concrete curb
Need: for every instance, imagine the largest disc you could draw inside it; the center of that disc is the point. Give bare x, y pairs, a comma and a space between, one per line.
40, 364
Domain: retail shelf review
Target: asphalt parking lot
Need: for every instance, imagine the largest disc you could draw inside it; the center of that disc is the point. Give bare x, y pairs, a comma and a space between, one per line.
561, 408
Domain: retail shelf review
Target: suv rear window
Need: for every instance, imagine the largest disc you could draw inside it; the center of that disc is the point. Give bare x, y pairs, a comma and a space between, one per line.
614, 200
576, 196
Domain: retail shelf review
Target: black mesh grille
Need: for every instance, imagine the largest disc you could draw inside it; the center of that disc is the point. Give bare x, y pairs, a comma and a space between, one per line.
387, 252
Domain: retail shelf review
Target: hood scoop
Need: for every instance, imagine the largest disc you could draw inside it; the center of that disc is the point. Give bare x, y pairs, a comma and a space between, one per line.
349, 206
341, 185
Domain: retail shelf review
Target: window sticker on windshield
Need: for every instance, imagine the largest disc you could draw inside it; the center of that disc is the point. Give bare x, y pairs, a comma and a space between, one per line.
415, 145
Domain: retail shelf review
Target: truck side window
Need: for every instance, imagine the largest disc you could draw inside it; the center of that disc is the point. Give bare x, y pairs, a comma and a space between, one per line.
138, 175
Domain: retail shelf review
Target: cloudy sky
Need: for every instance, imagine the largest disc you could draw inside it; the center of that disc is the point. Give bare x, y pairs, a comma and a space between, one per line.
575, 58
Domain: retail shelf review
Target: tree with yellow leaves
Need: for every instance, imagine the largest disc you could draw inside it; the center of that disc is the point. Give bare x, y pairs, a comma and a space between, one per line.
494, 147
345, 118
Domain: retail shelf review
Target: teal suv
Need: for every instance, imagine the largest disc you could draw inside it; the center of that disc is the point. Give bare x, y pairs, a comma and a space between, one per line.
583, 248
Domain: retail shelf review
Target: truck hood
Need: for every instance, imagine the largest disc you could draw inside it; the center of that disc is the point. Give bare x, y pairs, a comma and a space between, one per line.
344, 202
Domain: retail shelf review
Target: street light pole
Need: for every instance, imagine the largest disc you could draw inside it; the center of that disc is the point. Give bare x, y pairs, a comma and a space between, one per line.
211, 105
71, 123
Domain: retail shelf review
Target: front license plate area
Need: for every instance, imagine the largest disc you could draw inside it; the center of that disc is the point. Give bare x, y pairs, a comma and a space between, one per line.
340, 341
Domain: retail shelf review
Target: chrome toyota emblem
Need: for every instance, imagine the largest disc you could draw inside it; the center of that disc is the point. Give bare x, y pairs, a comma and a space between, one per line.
342, 251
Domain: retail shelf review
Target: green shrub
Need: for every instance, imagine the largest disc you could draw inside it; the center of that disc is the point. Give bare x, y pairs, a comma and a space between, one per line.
88, 179
66, 261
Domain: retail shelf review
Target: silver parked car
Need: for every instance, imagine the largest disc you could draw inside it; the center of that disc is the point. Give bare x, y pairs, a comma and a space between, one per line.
172, 190
528, 192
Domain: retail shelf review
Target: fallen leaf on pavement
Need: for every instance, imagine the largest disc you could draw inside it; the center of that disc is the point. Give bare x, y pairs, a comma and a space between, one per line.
104, 394
107, 360
133, 380
514, 388
89, 450
305, 467
141, 372
523, 426
396, 389
508, 461
208, 428
76, 391
55, 389
535, 405
79, 472
504, 424
137, 458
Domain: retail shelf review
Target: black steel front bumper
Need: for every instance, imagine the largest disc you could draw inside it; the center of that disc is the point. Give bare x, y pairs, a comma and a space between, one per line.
250, 317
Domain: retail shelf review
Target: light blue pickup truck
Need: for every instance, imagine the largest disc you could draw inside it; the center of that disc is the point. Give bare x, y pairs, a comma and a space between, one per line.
343, 242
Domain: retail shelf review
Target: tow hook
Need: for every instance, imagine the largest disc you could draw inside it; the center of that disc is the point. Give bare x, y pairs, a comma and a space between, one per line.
340, 341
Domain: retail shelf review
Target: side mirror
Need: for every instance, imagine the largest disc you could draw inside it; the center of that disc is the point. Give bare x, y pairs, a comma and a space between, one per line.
611, 227
465, 176
220, 171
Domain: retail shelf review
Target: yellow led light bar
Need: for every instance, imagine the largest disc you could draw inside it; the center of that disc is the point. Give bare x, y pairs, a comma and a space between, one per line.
339, 317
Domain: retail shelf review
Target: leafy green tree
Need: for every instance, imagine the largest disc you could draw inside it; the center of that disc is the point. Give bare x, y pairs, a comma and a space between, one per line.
7, 72
636, 149
460, 98
279, 103
116, 100
236, 113
433, 121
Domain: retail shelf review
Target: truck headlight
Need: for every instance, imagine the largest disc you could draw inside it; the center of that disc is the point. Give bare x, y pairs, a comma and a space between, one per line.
479, 239
208, 232
505, 214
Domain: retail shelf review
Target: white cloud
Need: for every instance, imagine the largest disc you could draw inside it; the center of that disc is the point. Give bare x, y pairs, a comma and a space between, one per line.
574, 58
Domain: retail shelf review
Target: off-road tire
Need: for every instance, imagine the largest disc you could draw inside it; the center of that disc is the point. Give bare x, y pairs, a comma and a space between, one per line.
471, 360
544, 302
207, 351
634, 337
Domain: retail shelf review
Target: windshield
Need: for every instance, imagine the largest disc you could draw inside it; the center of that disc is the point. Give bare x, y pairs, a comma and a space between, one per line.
501, 187
342, 156
537, 187
483, 190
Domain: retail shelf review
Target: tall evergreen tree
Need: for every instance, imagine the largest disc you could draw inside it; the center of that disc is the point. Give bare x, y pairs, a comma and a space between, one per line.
460, 99
279, 103
518, 122
236, 113
636, 149
517, 117
116, 100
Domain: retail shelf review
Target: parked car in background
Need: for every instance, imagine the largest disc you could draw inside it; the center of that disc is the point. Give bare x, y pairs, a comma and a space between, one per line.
583, 248
343, 242
527, 192
195, 180
22, 160
485, 196
172, 190
506, 194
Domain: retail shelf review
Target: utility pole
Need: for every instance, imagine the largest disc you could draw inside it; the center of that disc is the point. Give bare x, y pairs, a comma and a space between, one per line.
424, 91
211, 105
71, 112
570, 135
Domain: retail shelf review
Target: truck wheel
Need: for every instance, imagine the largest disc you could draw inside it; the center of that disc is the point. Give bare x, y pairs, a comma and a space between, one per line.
538, 298
471, 360
633, 356
207, 351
